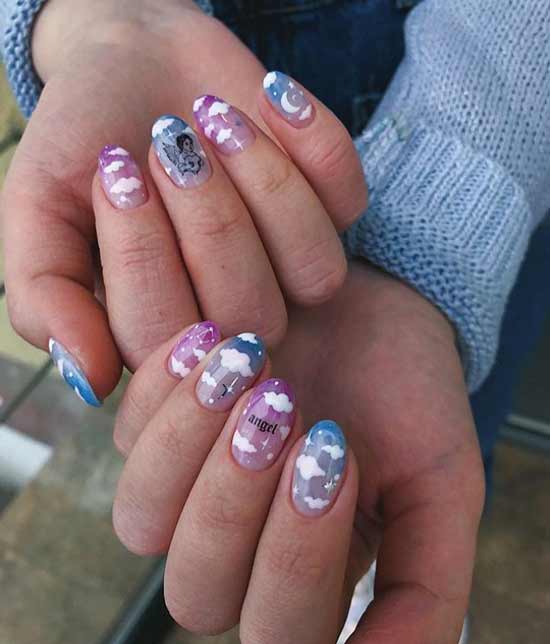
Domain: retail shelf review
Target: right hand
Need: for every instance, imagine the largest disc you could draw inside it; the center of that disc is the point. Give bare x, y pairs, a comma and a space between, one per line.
110, 69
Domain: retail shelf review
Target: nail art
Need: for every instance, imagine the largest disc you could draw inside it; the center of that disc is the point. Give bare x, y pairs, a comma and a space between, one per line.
264, 425
72, 373
319, 468
289, 99
192, 348
231, 371
180, 152
222, 124
121, 178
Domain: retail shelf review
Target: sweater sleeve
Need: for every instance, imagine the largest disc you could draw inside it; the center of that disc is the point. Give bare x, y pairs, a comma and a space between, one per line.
457, 158
16, 21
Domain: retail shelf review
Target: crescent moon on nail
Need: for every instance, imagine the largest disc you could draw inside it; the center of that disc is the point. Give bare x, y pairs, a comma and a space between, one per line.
288, 107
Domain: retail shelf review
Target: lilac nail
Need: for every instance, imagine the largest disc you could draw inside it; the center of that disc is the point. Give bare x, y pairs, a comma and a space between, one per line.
288, 99
192, 348
121, 178
222, 124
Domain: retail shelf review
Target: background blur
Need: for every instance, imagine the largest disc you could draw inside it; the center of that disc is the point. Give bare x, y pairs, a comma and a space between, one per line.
64, 577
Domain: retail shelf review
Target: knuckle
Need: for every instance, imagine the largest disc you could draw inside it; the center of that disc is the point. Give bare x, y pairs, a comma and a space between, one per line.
269, 181
296, 564
137, 249
328, 155
223, 513
217, 225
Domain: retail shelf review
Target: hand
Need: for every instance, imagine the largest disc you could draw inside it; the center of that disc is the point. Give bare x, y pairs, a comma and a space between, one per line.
110, 69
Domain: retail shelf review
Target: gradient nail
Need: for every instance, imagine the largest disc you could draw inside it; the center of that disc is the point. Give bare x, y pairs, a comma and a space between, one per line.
289, 99
222, 124
180, 152
264, 425
72, 373
121, 178
319, 468
192, 348
231, 371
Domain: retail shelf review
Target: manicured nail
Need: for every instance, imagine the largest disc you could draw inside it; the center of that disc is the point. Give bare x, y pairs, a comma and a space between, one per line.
180, 152
289, 99
231, 371
319, 468
222, 124
264, 425
121, 178
192, 348
72, 373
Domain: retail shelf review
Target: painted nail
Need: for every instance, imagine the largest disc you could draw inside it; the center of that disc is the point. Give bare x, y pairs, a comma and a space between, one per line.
121, 178
231, 371
264, 425
319, 468
180, 152
72, 373
222, 124
192, 348
289, 99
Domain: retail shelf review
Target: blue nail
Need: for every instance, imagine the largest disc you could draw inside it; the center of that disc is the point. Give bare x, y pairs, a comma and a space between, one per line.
72, 373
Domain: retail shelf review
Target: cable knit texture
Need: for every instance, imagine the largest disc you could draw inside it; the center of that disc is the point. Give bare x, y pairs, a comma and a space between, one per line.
457, 157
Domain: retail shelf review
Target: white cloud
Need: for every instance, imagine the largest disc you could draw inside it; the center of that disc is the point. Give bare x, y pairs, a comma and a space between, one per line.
199, 354
279, 402
208, 379
284, 430
308, 467
223, 135
248, 337
198, 103
178, 367
270, 79
306, 113
335, 451
316, 504
160, 126
243, 444
118, 152
218, 107
209, 129
126, 185
236, 362
114, 166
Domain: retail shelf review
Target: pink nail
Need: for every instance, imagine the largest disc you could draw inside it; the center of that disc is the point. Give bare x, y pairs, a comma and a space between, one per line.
192, 348
121, 178
222, 124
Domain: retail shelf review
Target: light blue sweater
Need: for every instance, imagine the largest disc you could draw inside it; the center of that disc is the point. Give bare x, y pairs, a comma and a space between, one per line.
457, 157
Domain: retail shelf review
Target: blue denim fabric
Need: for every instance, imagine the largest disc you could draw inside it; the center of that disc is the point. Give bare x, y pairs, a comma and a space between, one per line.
346, 52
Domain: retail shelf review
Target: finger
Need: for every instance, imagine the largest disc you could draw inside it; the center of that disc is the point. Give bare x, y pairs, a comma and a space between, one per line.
299, 236
212, 551
157, 377
319, 144
50, 278
149, 296
230, 270
299, 569
169, 454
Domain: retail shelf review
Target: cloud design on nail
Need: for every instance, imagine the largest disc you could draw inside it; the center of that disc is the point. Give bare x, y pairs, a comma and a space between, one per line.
209, 129
179, 367
126, 185
279, 402
224, 135
316, 504
335, 451
269, 79
305, 114
236, 362
118, 152
114, 166
199, 354
218, 107
308, 467
208, 379
248, 337
198, 103
160, 126
243, 444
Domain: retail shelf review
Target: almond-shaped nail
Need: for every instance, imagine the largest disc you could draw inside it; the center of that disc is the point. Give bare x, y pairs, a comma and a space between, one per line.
231, 371
222, 124
319, 468
289, 99
180, 152
192, 348
72, 373
121, 178
264, 425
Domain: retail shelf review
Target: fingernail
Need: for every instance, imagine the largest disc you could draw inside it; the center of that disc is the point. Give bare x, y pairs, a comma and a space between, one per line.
264, 425
192, 348
121, 178
72, 373
222, 124
180, 152
319, 468
231, 371
289, 99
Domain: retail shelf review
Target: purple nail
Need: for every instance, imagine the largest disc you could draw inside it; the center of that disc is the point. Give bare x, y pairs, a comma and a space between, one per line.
264, 425
192, 348
222, 124
288, 99
121, 178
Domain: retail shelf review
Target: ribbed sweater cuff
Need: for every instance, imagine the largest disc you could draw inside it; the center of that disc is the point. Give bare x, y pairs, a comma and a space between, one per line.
450, 222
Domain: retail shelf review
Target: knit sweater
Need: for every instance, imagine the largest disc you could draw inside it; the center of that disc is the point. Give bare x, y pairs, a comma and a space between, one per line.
457, 157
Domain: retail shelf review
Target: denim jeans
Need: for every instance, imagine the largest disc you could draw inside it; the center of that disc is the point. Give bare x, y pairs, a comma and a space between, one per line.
346, 52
